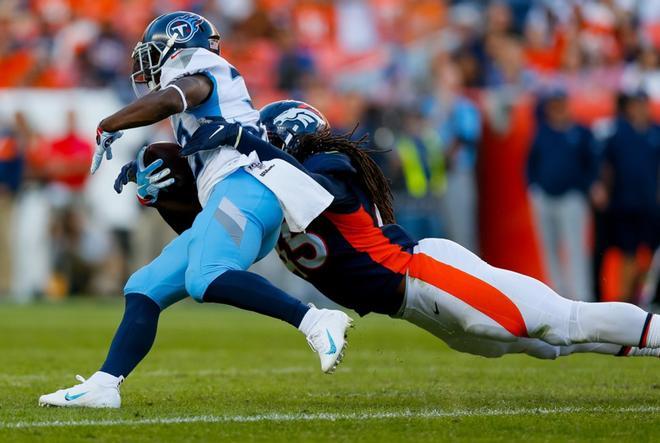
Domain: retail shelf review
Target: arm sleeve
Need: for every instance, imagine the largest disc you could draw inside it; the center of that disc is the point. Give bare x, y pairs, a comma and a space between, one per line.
250, 142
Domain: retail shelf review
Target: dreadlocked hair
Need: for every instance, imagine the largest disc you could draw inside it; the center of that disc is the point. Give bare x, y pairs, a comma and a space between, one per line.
371, 178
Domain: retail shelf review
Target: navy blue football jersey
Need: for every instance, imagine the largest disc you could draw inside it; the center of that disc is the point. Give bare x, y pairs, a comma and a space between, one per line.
345, 253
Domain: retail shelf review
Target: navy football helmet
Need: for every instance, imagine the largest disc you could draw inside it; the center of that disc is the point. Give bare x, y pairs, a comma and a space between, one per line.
288, 120
163, 36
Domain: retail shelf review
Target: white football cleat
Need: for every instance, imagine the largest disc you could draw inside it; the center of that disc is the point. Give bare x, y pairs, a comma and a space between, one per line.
88, 394
326, 332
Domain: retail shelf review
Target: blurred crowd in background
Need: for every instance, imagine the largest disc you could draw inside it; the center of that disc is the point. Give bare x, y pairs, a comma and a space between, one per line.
494, 119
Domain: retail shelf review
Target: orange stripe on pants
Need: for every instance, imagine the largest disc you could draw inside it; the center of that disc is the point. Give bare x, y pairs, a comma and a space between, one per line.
477, 293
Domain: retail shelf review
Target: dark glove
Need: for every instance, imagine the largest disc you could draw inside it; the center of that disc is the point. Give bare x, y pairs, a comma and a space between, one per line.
128, 174
214, 133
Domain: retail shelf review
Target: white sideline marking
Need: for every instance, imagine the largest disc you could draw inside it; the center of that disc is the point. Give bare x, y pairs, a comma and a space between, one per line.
283, 417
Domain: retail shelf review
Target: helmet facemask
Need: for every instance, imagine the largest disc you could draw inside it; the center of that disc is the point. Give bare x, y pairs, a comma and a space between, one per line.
285, 139
275, 140
148, 59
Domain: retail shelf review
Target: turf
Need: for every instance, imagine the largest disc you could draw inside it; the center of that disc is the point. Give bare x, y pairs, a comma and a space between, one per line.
219, 374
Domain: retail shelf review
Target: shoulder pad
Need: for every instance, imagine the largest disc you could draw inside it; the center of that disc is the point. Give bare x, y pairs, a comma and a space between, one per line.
330, 162
188, 61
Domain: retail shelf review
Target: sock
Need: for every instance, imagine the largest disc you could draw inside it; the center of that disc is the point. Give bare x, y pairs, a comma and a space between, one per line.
134, 337
252, 292
609, 349
105, 379
623, 324
634, 351
651, 332
309, 320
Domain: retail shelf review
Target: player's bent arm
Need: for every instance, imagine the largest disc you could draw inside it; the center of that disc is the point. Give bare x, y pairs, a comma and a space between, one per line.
186, 92
218, 133
344, 198
249, 142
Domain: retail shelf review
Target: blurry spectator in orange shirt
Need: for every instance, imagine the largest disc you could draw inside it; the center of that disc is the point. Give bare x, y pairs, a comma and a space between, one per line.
544, 46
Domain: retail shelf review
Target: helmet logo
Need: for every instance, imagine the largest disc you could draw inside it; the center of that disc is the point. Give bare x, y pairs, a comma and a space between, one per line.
302, 116
184, 27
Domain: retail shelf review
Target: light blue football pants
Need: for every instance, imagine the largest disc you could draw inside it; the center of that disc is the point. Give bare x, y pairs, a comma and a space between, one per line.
238, 226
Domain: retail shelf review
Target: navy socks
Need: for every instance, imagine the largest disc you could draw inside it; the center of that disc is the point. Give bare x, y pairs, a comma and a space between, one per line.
242, 289
252, 292
134, 337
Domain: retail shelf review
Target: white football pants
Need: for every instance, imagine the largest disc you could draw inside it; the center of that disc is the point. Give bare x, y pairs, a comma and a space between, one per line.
480, 309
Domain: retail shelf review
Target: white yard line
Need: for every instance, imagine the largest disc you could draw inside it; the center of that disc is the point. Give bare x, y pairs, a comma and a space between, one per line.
284, 417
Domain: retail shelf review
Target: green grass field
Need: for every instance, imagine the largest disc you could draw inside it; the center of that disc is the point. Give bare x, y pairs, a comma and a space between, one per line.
220, 374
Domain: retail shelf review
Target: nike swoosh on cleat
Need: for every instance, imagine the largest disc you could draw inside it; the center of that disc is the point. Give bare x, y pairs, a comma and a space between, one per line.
69, 397
333, 348
436, 311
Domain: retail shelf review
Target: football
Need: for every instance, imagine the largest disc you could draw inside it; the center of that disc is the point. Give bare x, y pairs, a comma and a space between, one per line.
178, 203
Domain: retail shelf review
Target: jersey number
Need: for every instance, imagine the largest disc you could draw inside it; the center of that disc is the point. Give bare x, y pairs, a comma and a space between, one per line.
302, 252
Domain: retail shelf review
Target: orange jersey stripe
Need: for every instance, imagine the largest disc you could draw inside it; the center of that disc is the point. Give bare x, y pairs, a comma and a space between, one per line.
359, 230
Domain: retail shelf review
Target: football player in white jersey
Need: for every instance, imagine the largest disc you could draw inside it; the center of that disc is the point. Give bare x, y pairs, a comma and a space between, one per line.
179, 73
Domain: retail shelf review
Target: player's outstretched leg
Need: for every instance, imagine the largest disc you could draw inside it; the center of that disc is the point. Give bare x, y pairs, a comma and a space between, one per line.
163, 281
240, 224
452, 289
132, 342
325, 329
608, 349
540, 349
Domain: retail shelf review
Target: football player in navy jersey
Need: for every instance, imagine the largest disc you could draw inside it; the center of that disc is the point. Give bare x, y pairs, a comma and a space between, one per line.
178, 72
355, 255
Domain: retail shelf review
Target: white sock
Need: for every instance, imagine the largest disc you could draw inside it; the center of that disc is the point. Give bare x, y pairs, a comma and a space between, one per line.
309, 320
611, 322
653, 335
104, 379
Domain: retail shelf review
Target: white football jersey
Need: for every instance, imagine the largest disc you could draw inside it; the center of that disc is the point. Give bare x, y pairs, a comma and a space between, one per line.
229, 99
